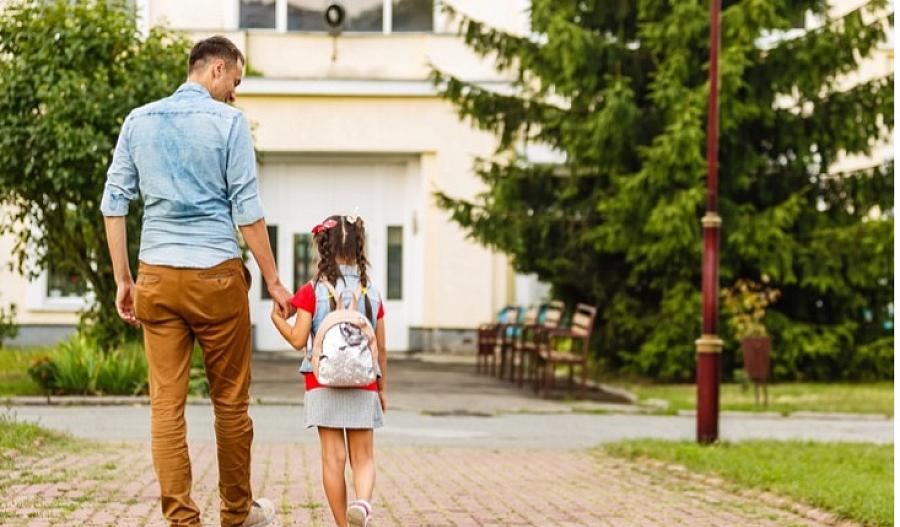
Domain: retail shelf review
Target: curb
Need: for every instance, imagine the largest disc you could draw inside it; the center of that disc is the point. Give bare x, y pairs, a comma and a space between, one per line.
831, 416
119, 400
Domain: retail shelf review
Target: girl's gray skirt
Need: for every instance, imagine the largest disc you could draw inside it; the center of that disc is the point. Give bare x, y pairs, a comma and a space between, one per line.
343, 408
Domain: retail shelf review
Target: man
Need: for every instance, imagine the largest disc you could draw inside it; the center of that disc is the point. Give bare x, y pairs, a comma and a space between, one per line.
192, 158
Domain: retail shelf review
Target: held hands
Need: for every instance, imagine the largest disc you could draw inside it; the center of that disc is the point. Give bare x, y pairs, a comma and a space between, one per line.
281, 298
277, 314
125, 302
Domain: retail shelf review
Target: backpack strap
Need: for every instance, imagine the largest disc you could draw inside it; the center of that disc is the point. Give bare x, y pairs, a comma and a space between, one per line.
338, 299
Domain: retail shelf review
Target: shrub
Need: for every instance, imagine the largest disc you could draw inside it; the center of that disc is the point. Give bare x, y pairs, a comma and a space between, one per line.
8, 327
124, 372
79, 366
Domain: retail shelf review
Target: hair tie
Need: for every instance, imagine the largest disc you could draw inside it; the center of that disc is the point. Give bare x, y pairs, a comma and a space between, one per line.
324, 226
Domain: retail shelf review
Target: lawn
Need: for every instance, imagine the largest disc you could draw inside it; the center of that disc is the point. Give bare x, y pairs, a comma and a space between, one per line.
18, 438
14, 363
852, 480
874, 398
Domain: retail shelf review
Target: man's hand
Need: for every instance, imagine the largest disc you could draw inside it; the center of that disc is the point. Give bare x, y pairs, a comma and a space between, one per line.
282, 298
125, 302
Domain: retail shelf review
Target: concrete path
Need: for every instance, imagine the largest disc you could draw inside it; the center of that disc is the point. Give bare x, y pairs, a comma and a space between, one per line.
284, 424
430, 383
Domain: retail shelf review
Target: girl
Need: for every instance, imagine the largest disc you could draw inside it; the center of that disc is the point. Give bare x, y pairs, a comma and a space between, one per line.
334, 411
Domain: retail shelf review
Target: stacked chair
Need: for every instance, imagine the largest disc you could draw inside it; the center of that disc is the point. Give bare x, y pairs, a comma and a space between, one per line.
489, 339
529, 343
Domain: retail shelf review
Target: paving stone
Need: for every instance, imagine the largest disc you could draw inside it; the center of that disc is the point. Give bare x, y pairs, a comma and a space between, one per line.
433, 487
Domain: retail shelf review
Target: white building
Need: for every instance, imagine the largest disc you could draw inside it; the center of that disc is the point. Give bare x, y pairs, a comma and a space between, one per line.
347, 124
351, 124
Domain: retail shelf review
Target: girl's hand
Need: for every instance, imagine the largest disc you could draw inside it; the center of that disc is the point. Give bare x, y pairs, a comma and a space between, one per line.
276, 312
383, 399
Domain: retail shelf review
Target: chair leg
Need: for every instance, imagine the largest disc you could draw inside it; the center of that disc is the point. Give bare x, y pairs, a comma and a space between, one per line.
583, 388
493, 367
548, 378
521, 372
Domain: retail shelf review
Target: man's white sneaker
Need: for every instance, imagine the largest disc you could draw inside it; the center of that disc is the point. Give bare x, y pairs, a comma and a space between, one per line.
262, 514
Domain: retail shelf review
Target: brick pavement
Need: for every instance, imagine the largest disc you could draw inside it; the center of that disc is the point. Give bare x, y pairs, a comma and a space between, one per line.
115, 485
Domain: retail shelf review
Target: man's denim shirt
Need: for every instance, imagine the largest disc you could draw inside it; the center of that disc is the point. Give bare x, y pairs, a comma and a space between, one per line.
192, 158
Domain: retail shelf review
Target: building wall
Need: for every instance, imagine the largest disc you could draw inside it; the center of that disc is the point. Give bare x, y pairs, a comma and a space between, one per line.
368, 94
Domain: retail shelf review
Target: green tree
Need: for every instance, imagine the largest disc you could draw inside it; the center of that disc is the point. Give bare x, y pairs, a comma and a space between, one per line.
620, 89
70, 71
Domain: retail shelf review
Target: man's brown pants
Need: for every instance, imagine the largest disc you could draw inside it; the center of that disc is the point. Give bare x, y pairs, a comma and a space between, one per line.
175, 306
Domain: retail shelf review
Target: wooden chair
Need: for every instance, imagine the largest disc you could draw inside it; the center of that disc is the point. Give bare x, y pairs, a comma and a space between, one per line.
549, 317
506, 339
488, 340
521, 333
548, 354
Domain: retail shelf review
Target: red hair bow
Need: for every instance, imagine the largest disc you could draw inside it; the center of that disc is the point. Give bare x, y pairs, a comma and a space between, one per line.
324, 226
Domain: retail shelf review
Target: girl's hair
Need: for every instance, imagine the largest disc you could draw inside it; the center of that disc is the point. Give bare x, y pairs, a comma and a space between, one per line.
345, 241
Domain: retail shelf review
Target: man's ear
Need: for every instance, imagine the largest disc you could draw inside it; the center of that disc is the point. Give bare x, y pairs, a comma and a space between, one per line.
218, 68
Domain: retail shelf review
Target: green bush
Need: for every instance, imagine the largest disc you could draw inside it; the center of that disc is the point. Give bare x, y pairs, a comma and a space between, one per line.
8, 327
199, 384
79, 366
44, 372
124, 371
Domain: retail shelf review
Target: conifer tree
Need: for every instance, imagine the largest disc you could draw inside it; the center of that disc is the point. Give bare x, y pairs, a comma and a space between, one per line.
620, 89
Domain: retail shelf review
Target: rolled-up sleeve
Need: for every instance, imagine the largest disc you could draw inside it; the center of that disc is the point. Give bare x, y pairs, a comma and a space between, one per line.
121, 178
240, 174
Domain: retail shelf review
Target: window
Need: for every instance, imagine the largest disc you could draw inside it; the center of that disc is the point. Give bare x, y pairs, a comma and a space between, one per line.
306, 259
365, 15
272, 231
63, 282
394, 263
412, 15
362, 15
257, 14
306, 15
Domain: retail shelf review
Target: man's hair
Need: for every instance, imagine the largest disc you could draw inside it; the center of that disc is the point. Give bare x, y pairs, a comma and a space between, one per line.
214, 47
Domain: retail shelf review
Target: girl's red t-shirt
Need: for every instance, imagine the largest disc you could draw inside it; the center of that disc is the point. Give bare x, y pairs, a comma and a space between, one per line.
305, 299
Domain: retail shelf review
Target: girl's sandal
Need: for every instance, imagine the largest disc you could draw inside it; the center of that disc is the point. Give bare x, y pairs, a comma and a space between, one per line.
358, 513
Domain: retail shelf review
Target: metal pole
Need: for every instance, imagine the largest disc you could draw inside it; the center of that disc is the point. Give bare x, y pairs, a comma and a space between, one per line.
709, 345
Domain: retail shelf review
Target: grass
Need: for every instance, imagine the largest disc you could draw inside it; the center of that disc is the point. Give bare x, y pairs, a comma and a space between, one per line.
851, 480
18, 438
874, 398
14, 364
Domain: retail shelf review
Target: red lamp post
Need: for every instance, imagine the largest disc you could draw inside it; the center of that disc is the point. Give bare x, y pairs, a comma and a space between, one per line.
709, 345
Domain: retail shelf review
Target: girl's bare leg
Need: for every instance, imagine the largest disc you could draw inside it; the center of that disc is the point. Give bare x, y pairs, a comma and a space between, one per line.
362, 462
334, 459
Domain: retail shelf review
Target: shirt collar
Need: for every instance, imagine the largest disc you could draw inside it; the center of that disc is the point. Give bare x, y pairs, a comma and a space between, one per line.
192, 87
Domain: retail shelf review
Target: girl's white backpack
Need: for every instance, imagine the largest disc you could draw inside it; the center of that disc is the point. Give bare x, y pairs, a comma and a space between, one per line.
345, 353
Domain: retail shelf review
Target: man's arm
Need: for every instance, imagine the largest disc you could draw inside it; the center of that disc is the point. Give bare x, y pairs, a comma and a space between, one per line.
117, 240
247, 211
121, 187
257, 239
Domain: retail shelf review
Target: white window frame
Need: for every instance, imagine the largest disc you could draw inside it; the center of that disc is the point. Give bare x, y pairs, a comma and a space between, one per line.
37, 299
233, 18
